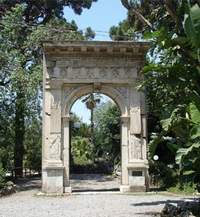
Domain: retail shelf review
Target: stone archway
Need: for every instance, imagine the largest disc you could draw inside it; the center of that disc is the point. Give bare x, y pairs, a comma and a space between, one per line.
73, 69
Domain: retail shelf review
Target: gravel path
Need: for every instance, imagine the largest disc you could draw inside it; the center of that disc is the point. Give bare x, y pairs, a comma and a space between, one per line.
97, 182
102, 204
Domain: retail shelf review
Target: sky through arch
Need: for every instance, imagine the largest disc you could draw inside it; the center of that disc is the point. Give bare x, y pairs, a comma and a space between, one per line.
79, 108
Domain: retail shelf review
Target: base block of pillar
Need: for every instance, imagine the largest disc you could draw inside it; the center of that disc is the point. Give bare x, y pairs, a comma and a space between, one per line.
137, 189
124, 188
68, 190
129, 189
137, 179
52, 180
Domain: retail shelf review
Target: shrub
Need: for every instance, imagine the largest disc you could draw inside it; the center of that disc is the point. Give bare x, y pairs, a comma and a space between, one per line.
81, 150
166, 176
186, 188
2, 177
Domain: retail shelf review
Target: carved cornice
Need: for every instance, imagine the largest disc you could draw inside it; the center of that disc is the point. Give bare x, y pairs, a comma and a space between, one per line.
96, 48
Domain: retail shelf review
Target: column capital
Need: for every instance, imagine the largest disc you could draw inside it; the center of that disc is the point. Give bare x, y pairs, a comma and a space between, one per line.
125, 119
66, 118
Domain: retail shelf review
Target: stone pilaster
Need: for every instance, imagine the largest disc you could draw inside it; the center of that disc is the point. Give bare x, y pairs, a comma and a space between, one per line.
66, 151
124, 153
52, 171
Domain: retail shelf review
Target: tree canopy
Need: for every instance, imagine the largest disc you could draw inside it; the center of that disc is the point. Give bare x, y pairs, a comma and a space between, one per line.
24, 25
172, 74
41, 11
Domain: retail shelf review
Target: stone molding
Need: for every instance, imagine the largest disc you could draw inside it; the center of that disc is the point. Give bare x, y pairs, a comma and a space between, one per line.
134, 49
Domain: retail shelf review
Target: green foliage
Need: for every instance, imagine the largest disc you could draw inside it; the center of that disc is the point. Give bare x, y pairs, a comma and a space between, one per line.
33, 145
179, 99
194, 113
78, 128
20, 79
192, 25
55, 30
91, 100
187, 188
23, 28
172, 76
2, 177
101, 153
123, 32
82, 150
165, 175
41, 11
107, 132
89, 34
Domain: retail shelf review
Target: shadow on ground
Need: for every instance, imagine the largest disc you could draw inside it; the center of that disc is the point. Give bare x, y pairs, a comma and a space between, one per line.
94, 183
96, 190
93, 177
155, 203
152, 214
79, 183
27, 184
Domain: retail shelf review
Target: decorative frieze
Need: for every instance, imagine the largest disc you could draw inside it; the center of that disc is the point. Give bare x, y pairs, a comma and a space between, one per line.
102, 72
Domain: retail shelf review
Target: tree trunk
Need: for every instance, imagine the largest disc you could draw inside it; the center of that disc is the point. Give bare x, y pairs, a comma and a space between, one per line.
19, 134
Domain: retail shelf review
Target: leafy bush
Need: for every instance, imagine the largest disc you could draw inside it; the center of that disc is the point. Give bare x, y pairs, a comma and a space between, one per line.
107, 132
166, 177
81, 150
172, 84
33, 145
2, 177
186, 188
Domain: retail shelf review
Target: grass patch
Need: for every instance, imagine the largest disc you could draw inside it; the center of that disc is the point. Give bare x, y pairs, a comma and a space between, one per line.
187, 188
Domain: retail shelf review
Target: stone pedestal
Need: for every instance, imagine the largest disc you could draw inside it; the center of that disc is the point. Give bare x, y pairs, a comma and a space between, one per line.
52, 180
137, 179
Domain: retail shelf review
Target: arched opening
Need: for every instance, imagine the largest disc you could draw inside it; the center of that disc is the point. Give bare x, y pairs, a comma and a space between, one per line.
95, 143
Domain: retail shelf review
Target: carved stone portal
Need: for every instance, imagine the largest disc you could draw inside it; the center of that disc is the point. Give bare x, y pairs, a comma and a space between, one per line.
73, 69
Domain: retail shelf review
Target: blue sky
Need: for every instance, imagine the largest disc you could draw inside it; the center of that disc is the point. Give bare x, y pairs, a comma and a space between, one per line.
79, 108
100, 17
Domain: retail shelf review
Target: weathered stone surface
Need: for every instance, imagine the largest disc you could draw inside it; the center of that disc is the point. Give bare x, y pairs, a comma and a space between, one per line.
74, 69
